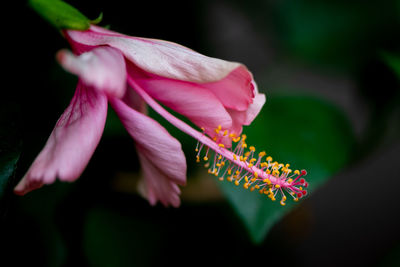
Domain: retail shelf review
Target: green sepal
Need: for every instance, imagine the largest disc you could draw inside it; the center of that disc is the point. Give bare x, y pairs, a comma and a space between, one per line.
62, 15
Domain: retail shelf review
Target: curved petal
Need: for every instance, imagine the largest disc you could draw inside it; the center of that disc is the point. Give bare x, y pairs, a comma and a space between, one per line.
240, 118
155, 185
188, 99
102, 68
163, 58
161, 155
72, 142
235, 91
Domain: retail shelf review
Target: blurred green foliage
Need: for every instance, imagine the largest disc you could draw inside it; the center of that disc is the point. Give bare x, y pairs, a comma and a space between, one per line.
393, 61
10, 143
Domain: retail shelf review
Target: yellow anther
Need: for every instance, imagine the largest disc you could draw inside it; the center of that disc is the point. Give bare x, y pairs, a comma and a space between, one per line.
287, 165
237, 172
221, 178
197, 159
234, 157
253, 180
205, 158
246, 179
241, 158
251, 165
264, 164
229, 171
219, 127
244, 137
230, 178
268, 171
273, 198
246, 186
296, 199
252, 148
247, 154
267, 181
284, 198
269, 158
252, 160
256, 174
215, 139
261, 191
218, 164
282, 203
257, 186
277, 186
275, 173
245, 158
237, 139
223, 163
221, 145
262, 154
301, 188
297, 172
237, 182
225, 132
252, 189
202, 128
197, 150
220, 157
290, 180
244, 145
232, 135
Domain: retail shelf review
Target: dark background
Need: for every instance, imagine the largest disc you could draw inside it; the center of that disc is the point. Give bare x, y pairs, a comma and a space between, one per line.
330, 49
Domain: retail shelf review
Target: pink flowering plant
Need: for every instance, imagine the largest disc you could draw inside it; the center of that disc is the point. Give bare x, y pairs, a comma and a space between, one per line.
104, 134
217, 96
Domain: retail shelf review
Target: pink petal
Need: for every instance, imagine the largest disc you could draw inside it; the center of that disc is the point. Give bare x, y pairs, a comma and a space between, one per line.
235, 91
72, 142
246, 117
163, 58
161, 155
102, 68
156, 186
191, 100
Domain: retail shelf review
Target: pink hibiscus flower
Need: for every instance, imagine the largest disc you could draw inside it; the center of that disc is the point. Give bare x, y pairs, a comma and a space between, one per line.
216, 95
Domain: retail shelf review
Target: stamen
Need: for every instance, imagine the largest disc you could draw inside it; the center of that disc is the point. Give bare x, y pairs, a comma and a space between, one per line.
269, 178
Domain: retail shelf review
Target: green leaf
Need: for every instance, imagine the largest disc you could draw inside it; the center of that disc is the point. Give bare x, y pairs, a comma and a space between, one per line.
302, 131
393, 61
10, 143
61, 15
